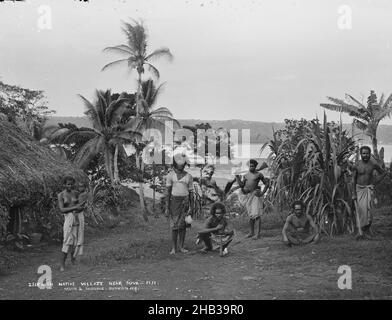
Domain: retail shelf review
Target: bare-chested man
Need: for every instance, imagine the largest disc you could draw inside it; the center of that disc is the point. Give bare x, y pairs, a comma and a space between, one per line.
363, 187
299, 227
253, 196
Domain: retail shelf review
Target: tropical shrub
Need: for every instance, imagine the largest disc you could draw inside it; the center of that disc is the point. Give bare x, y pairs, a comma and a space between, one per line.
310, 161
383, 189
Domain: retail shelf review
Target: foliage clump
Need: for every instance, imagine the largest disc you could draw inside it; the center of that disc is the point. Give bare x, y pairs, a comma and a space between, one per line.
310, 161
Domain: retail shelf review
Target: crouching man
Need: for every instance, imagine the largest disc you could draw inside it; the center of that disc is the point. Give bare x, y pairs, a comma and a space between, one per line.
299, 227
215, 231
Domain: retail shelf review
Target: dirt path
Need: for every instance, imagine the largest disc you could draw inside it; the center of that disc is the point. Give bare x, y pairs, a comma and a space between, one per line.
254, 269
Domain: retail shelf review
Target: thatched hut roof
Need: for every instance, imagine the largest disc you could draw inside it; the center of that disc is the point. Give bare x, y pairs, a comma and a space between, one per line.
29, 172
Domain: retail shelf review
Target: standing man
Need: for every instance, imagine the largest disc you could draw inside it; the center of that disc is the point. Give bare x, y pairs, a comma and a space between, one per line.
179, 186
252, 196
363, 187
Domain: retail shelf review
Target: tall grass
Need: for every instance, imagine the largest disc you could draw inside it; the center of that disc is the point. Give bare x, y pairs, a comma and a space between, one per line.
309, 161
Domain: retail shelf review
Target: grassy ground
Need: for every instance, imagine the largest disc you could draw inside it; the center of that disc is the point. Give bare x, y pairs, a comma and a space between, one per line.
137, 252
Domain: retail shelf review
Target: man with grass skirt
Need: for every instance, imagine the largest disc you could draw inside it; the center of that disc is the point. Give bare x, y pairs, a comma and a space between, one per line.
363, 188
299, 227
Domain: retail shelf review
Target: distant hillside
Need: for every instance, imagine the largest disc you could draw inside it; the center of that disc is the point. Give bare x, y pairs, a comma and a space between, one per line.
259, 131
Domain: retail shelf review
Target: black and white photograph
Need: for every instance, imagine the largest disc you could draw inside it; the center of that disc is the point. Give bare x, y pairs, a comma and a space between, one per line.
208, 152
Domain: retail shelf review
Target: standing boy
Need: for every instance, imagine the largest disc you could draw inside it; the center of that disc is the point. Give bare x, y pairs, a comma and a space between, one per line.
253, 196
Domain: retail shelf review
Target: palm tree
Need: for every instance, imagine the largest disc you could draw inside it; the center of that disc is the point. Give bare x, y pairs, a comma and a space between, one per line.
366, 118
136, 57
107, 133
136, 54
150, 118
53, 136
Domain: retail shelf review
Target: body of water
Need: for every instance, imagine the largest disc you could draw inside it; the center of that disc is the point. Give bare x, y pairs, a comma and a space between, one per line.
225, 172
253, 151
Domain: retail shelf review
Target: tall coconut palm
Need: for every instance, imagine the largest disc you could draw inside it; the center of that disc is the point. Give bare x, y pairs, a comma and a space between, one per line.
366, 118
107, 132
150, 118
136, 55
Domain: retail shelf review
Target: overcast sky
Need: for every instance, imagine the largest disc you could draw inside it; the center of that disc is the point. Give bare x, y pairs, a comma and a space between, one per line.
251, 60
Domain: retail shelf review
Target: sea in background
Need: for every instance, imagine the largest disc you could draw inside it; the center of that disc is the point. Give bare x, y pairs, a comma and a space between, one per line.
225, 172
254, 151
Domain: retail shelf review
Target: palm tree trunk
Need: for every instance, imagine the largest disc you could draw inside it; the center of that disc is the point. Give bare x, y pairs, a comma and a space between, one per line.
138, 164
115, 164
139, 93
141, 190
153, 184
374, 145
141, 199
108, 164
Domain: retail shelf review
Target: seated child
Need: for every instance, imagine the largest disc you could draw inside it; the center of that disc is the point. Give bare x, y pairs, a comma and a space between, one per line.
214, 231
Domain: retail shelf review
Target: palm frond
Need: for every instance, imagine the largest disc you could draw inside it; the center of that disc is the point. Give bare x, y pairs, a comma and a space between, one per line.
89, 150
340, 107
388, 103
79, 134
48, 131
102, 105
361, 106
122, 48
115, 110
381, 101
132, 124
59, 135
153, 70
137, 36
92, 114
113, 63
156, 93
131, 136
383, 113
151, 92
162, 111
360, 125
160, 53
